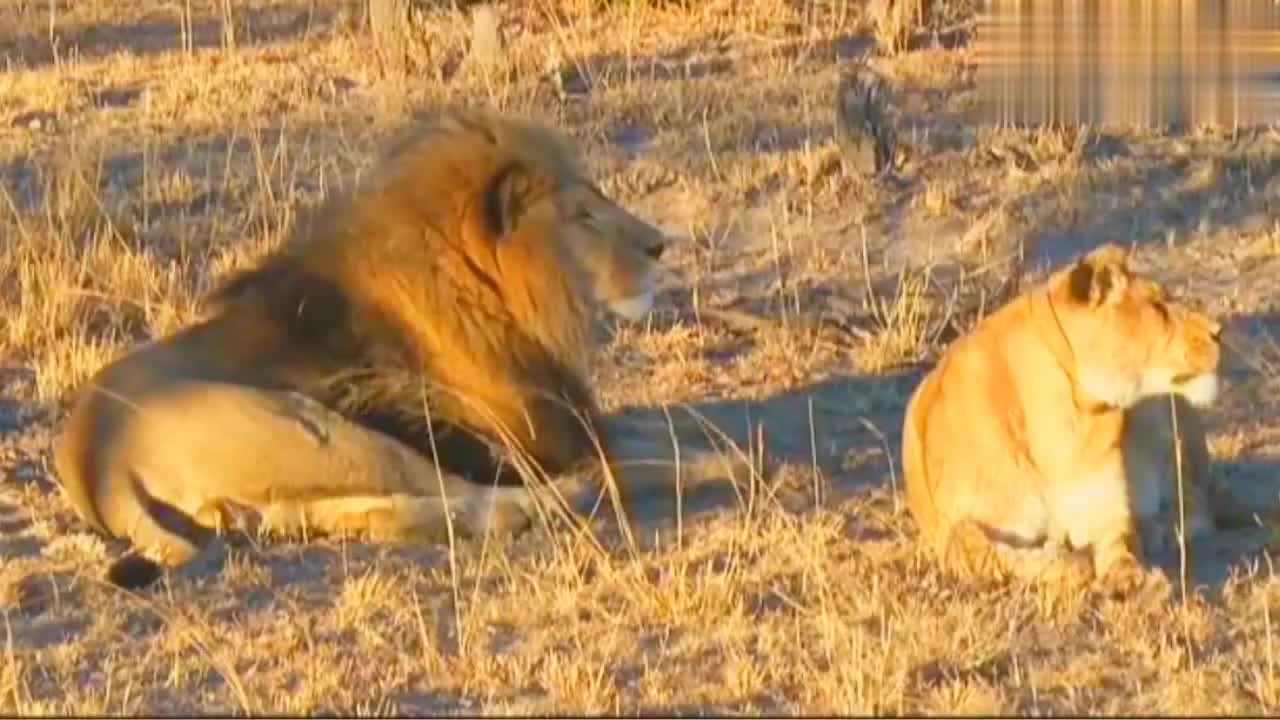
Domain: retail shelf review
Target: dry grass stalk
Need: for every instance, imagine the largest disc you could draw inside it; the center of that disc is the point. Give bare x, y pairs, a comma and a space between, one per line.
389, 28
897, 21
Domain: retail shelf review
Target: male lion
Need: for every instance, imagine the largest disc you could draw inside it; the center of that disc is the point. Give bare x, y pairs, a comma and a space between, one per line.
1046, 432
367, 375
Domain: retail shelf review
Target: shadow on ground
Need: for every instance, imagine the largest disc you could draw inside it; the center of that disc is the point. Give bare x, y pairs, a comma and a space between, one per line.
846, 428
1252, 475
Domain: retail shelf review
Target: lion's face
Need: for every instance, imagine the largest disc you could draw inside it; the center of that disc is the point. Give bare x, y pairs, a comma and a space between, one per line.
544, 226
618, 252
1130, 341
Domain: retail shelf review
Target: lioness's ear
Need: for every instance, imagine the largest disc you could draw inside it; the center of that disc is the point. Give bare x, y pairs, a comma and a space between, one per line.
1096, 281
1111, 253
505, 199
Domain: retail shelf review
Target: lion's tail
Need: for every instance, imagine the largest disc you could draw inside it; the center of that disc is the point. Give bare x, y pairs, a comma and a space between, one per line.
134, 571
110, 499
80, 479
134, 515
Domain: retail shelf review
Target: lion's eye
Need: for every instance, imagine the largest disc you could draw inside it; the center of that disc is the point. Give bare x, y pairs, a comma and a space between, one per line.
1163, 310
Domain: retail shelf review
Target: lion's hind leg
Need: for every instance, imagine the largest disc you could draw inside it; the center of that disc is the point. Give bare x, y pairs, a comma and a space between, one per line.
206, 456
322, 473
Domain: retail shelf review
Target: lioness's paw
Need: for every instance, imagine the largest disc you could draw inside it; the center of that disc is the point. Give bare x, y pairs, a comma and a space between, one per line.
1125, 576
1073, 571
1157, 586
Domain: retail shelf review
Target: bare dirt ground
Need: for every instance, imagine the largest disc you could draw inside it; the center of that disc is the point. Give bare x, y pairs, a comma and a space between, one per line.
146, 148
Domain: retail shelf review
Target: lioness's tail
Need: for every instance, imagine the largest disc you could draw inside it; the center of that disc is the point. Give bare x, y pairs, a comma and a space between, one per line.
915, 471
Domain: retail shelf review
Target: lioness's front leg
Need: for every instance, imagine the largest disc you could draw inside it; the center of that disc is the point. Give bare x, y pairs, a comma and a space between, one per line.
1118, 556
1096, 512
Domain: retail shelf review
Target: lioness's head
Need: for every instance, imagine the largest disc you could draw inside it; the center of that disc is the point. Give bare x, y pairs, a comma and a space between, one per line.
1128, 340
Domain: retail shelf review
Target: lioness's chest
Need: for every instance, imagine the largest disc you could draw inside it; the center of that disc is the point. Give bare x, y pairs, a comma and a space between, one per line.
1083, 499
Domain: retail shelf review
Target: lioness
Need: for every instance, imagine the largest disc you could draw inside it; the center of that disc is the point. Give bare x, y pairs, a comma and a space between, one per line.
1045, 434
412, 355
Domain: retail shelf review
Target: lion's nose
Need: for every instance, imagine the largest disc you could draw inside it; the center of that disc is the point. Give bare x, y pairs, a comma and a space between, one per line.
1215, 329
655, 251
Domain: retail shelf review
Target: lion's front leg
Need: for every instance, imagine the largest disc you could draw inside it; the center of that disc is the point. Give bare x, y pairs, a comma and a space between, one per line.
400, 517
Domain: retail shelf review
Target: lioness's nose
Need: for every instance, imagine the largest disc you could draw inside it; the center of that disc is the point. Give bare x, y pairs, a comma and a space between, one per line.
655, 251
1215, 329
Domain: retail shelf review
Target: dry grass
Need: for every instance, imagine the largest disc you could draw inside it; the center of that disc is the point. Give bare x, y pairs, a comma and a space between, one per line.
146, 148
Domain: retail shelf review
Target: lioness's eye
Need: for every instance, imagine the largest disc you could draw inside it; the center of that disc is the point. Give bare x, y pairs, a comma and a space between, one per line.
1163, 310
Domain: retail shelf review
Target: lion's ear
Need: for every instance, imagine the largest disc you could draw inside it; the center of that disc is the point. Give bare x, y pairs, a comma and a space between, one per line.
1097, 281
505, 200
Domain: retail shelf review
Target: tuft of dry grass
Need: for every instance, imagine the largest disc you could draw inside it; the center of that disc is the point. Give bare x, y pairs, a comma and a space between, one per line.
148, 148
895, 22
